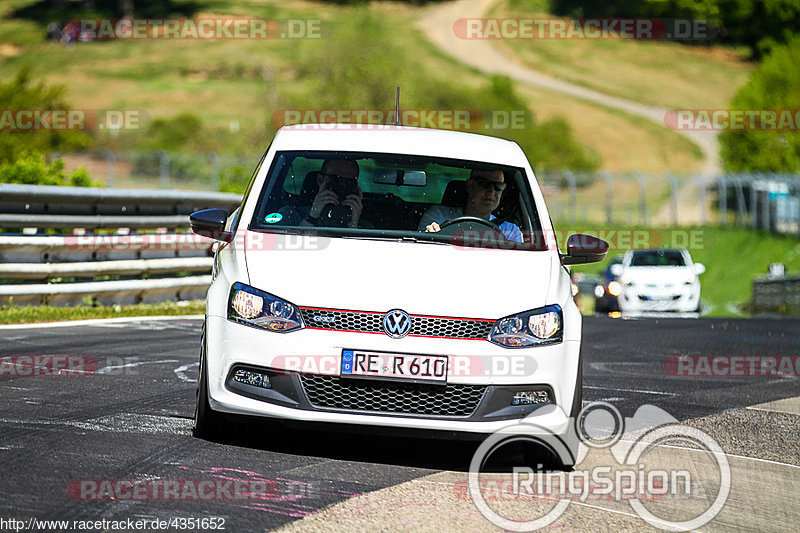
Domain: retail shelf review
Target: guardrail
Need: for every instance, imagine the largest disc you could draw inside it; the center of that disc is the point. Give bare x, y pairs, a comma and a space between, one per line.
107, 258
776, 295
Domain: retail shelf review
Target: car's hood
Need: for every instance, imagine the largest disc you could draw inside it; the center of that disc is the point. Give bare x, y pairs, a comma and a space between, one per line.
657, 275
420, 278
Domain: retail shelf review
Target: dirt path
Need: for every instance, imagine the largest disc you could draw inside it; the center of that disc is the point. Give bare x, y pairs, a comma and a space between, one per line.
437, 25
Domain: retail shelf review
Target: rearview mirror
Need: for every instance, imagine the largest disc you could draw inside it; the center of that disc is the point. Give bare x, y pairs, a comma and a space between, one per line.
616, 270
392, 176
699, 268
210, 223
584, 249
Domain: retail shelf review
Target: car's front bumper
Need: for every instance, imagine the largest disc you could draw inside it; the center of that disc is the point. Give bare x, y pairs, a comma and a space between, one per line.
683, 300
231, 346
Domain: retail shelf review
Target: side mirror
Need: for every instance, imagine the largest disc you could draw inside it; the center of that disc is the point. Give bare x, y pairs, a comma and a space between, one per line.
211, 223
699, 268
616, 270
584, 249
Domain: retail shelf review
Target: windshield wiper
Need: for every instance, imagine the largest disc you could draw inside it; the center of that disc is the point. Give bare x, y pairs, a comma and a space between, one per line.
404, 238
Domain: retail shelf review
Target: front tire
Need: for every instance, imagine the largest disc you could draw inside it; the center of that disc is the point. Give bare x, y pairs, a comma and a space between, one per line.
208, 424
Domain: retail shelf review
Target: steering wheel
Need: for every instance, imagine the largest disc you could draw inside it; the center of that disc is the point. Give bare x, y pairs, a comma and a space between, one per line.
477, 220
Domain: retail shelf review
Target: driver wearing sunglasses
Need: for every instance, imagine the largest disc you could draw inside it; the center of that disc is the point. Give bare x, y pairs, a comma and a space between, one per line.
484, 191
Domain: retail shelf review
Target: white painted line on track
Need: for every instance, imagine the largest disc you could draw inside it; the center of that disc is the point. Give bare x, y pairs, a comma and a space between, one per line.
631, 390
107, 369
98, 321
181, 372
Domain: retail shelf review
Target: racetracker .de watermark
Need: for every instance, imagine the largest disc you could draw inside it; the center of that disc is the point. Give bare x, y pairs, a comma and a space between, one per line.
648, 29
733, 119
619, 240
207, 28
471, 366
732, 366
21, 366
72, 119
252, 241
447, 119
91, 490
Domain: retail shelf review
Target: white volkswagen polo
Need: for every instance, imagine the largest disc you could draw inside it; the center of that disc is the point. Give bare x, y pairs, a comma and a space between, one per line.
658, 280
391, 277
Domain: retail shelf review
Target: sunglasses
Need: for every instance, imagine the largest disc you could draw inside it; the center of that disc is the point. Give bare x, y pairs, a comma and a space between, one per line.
490, 185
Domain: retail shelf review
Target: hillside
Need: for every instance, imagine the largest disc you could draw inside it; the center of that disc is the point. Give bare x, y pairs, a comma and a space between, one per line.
244, 82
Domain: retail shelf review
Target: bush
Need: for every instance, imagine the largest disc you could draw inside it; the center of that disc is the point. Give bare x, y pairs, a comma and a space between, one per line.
22, 94
32, 169
774, 85
234, 179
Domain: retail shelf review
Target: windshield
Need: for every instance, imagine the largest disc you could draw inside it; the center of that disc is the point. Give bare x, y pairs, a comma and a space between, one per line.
658, 258
401, 197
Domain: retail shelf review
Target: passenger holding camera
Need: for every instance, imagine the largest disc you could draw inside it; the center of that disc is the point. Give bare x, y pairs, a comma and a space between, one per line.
338, 202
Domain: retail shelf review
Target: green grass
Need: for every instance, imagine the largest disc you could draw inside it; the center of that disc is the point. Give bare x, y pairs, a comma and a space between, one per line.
11, 314
652, 72
732, 257
247, 80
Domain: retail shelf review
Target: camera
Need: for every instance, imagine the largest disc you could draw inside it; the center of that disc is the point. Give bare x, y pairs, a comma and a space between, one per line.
342, 187
338, 215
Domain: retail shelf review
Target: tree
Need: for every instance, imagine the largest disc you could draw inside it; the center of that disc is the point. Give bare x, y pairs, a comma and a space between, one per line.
21, 94
775, 85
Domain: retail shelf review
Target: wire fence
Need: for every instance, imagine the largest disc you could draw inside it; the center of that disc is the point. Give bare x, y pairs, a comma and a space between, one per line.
166, 170
767, 201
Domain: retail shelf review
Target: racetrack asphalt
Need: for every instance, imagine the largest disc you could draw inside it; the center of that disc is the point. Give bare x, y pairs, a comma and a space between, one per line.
130, 419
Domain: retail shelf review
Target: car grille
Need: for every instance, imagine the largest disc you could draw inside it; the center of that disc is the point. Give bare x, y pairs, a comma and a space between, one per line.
333, 393
372, 322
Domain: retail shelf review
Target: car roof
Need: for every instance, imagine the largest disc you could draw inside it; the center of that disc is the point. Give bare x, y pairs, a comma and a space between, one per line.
399, 139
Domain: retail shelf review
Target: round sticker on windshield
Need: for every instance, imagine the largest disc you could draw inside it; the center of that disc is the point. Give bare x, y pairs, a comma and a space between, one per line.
273, 218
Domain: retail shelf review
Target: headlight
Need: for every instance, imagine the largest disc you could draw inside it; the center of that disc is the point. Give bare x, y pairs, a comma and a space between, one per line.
536, 327
690, 279
614, 288
253, 307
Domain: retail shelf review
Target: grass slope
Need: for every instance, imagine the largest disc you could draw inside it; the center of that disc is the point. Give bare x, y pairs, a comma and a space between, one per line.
652, 72
247, 80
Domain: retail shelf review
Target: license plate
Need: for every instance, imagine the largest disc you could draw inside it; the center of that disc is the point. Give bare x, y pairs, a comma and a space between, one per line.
397, 367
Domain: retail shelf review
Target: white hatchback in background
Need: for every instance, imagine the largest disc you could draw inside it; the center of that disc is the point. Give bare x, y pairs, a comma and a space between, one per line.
457, 333
664, 280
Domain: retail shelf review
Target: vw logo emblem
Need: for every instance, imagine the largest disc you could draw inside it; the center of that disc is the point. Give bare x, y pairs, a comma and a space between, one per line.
397, 323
